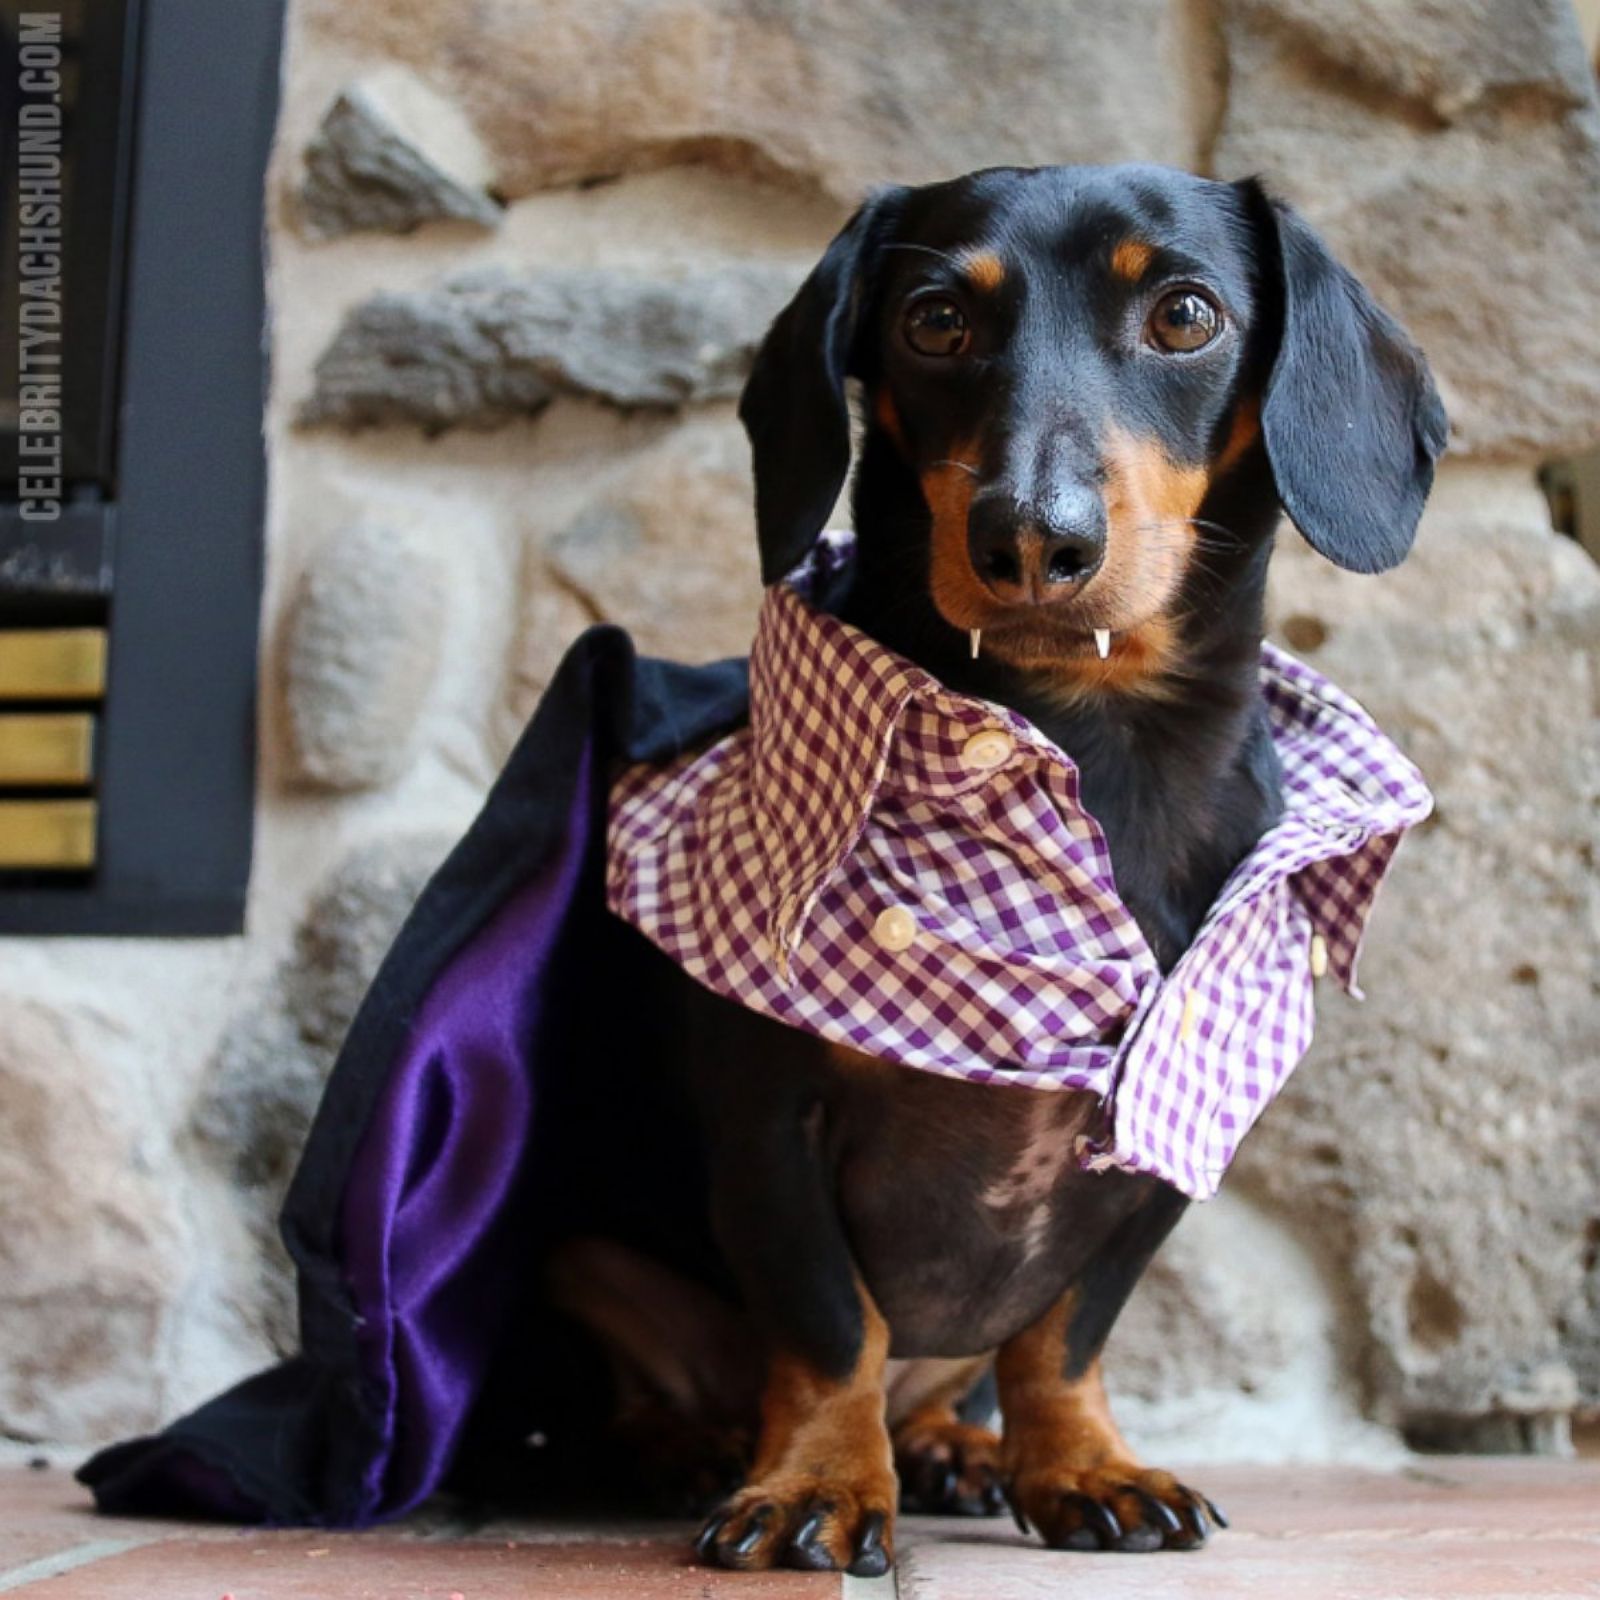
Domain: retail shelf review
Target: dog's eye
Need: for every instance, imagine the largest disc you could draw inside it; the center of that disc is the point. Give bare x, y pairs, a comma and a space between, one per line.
937, 327
1185, 320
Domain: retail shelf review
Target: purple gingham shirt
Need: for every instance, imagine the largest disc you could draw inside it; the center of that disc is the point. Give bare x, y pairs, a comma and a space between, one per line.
908, 871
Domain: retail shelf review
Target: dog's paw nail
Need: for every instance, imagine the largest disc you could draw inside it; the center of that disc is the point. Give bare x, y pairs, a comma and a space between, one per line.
1016, 1509
1215, 1510
1101, 1518
1160, 1512
1196, 1523
753, 1535
871, 1559
803, 1550
708, 1535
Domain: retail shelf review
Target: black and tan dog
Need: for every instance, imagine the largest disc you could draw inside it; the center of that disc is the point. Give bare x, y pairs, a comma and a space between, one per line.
1086, 395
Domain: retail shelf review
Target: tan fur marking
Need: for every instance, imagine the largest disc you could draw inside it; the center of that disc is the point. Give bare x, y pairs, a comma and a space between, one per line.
1061, 1446
1130, 259
984, 269
946, 1462
887, 416
1053, 1420
960, 597
834, 1424
1146, 487
1144, 651
824, 1441
939, 1429
1150, 501
1142, 663
1244, 432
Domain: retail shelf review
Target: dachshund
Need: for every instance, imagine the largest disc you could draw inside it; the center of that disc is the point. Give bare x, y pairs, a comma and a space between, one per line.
1083, 398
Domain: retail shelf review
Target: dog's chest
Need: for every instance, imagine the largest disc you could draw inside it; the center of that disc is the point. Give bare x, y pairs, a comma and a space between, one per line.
965, 1205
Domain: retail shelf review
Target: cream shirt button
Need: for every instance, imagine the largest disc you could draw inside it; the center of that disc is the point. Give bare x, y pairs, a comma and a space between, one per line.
1191, 1015
895, 929
1319, 955
986, 750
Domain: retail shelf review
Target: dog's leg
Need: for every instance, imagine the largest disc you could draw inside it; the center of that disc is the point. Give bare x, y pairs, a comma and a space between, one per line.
946, 1466
1069, 1472
822, 1492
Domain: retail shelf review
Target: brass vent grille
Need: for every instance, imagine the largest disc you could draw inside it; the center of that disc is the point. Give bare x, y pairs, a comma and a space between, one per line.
52, 683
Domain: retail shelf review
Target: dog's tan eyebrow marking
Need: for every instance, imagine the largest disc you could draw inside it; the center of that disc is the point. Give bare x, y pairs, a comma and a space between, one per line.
1130, 259
984, 270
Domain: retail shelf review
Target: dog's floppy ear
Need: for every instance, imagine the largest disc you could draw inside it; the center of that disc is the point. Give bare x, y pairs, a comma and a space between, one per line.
793, 405
1352, 421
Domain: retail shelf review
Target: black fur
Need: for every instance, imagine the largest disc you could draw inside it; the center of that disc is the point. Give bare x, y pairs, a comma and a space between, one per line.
793, 405
1353, 423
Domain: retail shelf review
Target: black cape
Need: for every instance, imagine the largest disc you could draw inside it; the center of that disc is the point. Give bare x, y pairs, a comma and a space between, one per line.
501, 1027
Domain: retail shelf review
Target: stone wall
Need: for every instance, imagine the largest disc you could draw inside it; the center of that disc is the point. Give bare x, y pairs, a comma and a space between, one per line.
521, 250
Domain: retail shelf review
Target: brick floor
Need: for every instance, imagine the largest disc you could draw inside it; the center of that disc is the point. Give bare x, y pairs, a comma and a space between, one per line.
1442, 1528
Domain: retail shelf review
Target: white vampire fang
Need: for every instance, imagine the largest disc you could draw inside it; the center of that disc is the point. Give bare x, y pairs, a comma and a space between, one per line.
976, 636
1102, 642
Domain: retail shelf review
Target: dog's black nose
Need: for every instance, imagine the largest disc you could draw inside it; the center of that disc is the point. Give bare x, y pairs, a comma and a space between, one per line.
1026, 554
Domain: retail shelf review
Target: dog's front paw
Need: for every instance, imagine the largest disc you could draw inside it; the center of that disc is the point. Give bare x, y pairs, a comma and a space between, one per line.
797, 1520
1116, 1506
948, 1467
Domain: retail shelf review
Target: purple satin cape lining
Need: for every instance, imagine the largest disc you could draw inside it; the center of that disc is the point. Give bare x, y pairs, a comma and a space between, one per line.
432, 1174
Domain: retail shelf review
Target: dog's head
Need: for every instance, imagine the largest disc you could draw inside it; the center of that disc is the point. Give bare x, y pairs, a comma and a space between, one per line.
1071, 362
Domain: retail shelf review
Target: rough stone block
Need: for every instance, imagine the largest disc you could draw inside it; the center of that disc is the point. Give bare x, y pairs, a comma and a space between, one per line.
1450, 152
361, 652
490, 344
91, 1257
840, 95
392, 153
668, 550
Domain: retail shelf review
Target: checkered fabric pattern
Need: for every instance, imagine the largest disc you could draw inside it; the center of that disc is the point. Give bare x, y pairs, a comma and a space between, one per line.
908, 871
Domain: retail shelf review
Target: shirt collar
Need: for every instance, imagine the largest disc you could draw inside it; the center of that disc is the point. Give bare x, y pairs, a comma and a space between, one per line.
826, 702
